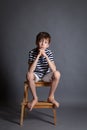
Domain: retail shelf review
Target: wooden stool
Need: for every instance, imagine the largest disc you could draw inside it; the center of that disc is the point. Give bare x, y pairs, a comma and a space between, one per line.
40, 104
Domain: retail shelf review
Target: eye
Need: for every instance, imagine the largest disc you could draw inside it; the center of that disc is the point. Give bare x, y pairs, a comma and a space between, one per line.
40, 40
46, 42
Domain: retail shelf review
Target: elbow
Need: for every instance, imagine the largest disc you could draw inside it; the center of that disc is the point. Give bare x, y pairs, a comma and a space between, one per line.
31, 70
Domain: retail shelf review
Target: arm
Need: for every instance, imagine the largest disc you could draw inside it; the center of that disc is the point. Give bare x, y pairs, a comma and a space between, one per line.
50, 63
32, 66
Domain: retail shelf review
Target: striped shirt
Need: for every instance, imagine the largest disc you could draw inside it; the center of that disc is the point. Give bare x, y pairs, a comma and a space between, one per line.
42, 67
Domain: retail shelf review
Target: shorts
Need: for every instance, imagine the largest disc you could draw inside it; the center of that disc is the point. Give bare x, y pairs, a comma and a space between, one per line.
47, 78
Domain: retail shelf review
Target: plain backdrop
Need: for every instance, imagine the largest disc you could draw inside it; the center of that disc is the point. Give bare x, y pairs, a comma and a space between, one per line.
66, 21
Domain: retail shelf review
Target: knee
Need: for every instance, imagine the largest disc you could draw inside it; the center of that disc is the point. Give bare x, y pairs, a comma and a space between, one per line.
57, 75
29, 76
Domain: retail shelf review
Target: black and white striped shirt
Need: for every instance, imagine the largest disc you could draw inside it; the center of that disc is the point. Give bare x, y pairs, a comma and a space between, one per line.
42, 66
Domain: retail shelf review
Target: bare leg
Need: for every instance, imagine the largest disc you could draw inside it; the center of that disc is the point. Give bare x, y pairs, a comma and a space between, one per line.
55, 81
30, 77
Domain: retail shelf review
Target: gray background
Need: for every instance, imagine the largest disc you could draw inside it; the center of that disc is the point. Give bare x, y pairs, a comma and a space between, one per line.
66, 21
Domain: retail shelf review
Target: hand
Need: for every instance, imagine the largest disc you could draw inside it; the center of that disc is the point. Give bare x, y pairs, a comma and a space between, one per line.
42, 52
39, 54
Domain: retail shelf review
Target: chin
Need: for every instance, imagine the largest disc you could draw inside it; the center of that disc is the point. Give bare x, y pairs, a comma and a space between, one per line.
42, 48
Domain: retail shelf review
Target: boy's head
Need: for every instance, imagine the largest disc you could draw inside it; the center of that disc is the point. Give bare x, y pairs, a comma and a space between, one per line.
41, 36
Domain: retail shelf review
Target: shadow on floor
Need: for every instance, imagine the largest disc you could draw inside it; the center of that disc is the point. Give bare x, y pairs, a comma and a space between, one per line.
13, 115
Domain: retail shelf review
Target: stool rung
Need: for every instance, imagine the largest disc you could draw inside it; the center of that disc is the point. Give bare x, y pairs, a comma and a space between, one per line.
44, 103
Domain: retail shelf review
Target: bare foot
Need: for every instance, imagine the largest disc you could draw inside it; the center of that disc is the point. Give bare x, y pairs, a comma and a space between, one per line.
52, 100
32, 104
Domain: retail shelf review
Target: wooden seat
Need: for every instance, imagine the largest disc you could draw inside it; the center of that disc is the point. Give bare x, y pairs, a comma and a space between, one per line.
40, 104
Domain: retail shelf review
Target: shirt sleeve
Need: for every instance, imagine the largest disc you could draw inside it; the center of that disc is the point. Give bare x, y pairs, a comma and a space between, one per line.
30, 60
51, 56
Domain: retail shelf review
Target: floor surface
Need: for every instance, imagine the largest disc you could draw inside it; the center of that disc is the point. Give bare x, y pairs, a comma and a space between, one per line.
68, 118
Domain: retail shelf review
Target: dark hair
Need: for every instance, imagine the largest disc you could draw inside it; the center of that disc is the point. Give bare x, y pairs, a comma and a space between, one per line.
42, 35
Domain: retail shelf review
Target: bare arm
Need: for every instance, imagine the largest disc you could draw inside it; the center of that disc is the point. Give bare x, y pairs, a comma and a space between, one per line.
33, 65
50, 63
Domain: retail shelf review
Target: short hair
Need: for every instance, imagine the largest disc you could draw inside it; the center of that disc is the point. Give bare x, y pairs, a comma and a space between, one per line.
42, 35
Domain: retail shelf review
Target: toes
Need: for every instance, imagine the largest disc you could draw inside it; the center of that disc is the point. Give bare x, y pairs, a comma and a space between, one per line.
31, 108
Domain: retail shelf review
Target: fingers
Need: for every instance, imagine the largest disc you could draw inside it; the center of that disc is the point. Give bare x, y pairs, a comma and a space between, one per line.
42, 52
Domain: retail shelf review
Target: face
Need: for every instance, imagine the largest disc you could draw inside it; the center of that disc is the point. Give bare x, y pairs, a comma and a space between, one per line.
43, 44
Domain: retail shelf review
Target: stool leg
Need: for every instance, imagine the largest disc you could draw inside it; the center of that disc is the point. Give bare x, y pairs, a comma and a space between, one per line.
26, 93
54, 112
25, 98
23, 105
22, 114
